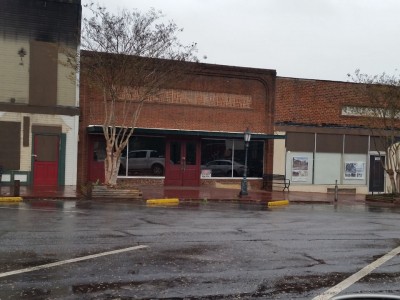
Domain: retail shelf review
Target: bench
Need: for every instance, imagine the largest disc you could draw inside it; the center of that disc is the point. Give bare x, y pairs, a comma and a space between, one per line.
271, 180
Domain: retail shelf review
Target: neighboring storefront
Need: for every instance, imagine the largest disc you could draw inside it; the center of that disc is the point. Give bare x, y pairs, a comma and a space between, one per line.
192, 134
324, 144
39, 113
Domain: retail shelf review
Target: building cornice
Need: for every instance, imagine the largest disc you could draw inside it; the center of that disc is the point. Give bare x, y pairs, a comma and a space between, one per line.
36, 109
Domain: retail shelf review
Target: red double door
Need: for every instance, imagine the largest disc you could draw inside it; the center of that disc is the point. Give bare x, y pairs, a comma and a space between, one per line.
182, 162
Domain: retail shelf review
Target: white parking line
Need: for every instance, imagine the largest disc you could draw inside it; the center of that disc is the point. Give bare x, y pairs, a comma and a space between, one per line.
68, 261
357, 276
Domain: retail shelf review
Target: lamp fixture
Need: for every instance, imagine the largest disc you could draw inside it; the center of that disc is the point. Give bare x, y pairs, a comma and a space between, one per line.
21, 53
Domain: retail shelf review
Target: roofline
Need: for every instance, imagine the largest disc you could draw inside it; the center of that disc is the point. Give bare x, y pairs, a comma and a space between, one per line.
310, 79
206, 66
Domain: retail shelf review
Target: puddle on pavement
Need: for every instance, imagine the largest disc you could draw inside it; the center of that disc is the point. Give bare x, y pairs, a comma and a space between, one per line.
300, 284
381, 277
34, 293
295, 285
49, 204
23, 259
103, 286
45, 204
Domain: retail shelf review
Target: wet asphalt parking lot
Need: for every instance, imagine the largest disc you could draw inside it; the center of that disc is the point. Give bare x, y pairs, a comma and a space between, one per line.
104, 250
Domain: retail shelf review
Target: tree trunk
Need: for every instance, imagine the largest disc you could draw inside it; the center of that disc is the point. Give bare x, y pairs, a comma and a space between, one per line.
391, 162
111, 165
397, 181
397, 166
392, 181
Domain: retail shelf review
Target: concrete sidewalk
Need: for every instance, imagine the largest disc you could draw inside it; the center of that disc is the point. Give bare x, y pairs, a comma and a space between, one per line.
202, 193
226, 194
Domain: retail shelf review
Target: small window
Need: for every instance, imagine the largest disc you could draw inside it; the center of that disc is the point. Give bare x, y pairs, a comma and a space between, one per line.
99, 151
10, 144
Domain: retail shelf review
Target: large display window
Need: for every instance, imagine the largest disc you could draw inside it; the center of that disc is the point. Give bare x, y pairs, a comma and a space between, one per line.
329, 158
144, 156
226, 158
327, 168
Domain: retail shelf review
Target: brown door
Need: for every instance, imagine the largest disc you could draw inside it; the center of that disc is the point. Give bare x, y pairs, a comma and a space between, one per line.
376, 173
182, 163
45, 160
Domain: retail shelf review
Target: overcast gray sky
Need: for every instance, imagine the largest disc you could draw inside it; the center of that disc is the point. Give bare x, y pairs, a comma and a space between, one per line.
315, 39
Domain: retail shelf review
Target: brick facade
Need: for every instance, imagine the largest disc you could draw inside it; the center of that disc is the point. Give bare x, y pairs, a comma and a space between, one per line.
315, 102
317, 119
212, 80
211, 98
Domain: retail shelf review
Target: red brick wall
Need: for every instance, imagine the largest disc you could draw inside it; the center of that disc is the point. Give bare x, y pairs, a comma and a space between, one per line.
230, 116
316, 102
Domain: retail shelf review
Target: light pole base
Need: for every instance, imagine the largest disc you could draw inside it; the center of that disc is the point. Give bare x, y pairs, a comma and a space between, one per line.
243, 188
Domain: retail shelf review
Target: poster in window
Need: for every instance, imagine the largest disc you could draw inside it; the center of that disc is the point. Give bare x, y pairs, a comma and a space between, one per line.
354, 170
300, 169
206, 173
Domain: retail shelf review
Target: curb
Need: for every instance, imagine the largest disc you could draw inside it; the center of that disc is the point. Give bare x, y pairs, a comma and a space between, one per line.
10, 199
162, 201
278, 203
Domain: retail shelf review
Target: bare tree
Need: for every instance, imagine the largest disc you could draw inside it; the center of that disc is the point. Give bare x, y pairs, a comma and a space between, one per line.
380, 110
128, 57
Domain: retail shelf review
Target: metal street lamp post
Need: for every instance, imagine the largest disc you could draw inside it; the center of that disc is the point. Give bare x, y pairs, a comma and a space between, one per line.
243, 186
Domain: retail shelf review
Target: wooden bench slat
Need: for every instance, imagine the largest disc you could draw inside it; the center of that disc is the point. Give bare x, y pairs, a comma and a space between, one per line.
269, 180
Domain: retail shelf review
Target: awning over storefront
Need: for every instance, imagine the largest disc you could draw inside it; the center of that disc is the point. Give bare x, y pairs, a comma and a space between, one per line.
97, 129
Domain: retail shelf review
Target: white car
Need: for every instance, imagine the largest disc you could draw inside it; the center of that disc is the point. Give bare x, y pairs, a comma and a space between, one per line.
224, 168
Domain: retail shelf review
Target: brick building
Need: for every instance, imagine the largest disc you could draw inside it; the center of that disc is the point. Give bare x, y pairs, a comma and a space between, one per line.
192, 133
38, 102
325, 143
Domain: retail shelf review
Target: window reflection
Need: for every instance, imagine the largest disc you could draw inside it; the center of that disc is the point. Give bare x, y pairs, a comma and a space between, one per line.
191, 153
144, 156
226, 158
175, 153
99, 151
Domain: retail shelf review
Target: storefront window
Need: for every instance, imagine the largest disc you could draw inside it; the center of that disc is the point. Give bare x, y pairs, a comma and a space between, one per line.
226, 158
144, 156
191, 153
175, 153
337, 159
255, 159
99, 151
